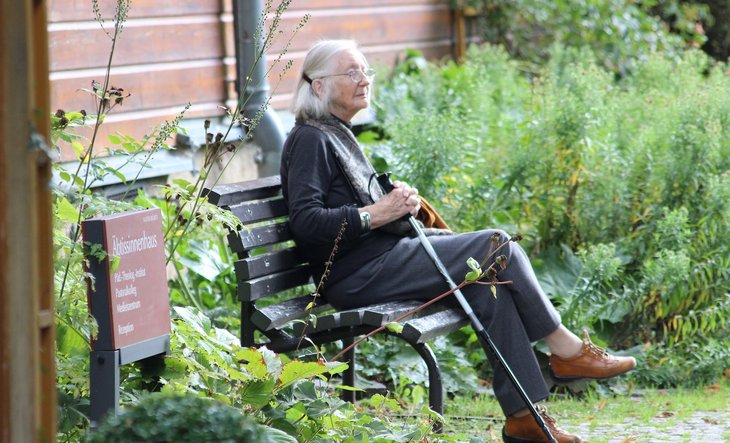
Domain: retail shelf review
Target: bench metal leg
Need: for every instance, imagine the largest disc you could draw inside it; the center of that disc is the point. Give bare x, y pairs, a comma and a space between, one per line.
247, 331
435, 384
348, 377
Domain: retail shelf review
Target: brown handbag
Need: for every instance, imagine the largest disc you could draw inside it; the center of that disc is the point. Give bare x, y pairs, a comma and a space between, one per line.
429, 217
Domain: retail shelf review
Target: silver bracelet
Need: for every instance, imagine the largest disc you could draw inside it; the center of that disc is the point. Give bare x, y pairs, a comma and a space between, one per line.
364, 221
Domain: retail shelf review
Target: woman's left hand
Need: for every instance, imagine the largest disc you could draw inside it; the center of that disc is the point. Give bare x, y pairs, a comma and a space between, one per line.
402, 200
412, 200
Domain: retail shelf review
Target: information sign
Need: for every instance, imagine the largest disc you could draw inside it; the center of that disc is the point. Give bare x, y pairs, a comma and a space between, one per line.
129, 297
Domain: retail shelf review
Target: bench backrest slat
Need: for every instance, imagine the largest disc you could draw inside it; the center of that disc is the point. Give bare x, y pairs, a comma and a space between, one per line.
252, 238
263, 214
252, 212
224, 195
265, 264
254, 289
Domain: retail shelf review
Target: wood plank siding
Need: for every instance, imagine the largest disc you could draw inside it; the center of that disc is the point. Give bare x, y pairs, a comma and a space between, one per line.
172, 52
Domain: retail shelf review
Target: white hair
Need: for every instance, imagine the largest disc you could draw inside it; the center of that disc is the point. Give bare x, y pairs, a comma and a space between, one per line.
318, 63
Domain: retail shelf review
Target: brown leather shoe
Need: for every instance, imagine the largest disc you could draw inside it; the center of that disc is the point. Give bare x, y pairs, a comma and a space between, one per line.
526, 430
591, 362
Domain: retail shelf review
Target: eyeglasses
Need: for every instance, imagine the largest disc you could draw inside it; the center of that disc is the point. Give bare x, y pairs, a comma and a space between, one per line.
356, 75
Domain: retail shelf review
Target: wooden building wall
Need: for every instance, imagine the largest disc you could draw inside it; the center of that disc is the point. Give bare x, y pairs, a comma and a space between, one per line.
172, 52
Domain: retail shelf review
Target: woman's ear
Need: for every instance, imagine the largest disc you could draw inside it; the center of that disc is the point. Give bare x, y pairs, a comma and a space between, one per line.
318, 87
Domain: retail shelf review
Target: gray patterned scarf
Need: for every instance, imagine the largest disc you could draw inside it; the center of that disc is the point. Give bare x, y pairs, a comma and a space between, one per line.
357, 169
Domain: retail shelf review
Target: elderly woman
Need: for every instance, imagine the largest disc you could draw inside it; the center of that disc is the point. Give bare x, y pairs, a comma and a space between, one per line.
329, 186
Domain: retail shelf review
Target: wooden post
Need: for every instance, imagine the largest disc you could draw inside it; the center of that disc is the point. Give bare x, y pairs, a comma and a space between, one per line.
460, 31
460, 15
27, 369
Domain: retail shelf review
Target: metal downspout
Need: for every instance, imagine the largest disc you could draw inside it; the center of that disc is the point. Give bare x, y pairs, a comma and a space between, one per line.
269, 133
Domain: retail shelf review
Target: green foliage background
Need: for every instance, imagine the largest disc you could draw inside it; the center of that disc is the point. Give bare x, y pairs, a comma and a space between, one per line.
620, 186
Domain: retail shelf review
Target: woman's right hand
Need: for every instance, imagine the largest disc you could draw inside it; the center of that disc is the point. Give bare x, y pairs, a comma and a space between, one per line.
402, 200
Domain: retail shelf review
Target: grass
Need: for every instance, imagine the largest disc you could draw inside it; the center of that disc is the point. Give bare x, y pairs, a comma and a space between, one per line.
642, 415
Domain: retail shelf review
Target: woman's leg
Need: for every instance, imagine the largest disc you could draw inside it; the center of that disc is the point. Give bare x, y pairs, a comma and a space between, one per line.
407, 273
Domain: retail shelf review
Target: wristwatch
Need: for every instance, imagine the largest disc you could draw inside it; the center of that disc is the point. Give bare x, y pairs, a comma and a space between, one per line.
365, 221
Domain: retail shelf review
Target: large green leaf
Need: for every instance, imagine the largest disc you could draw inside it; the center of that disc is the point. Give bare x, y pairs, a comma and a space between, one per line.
66, 211
258, 393
272, 435
298, 370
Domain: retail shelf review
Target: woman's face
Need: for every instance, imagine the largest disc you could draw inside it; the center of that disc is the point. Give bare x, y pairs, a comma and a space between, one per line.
346, 96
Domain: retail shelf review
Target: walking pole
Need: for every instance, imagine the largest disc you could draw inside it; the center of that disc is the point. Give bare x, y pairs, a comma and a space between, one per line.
387, 185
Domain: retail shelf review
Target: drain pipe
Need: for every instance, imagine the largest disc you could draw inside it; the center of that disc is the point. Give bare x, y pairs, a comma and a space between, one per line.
268, 135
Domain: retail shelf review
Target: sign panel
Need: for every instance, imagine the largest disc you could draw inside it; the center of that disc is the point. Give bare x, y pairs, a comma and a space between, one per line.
130, 300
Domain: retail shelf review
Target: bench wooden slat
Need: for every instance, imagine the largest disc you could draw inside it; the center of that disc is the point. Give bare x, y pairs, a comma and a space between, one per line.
256, 288
225, 194
428, 327
252, 212
377, 315
373, 315
277, 315
265, 235
333, 320
266, 264
247, 239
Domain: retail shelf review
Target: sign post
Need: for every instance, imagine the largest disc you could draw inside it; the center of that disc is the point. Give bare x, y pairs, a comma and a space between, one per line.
129, 298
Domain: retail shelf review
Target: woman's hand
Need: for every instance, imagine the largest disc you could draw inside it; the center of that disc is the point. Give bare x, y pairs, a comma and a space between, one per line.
402, 200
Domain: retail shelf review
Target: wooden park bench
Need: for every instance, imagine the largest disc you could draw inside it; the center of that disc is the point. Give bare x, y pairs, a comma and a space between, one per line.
269, 264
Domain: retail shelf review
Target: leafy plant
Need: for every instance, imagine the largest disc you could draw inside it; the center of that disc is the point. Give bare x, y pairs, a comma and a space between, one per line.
183, 418
183, 206
619, 185
619, 33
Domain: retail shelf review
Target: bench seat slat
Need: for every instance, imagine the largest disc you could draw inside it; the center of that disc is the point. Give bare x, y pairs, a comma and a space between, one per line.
351, 317
257, 288
426, 328
265, 264
373, 315
277, 315
377, 315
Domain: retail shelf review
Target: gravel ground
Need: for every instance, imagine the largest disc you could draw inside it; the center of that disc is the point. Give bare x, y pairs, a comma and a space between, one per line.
701, 427
666, 426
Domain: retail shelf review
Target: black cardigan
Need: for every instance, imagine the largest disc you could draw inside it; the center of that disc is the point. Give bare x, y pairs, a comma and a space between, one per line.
319, 199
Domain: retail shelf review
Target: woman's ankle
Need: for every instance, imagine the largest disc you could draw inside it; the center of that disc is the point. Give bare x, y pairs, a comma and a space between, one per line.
563, 343
521, 413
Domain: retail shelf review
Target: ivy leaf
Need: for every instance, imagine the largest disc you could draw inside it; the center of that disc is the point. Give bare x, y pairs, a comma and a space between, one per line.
118, 174
336, 367
476, 270
114, 263
66, 211
395, 327
296, 370
199, 322
258, 393
255, 364
78, 149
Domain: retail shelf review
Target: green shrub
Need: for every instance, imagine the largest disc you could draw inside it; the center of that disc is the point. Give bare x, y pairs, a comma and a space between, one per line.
620, 33
620, 187
183, 418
